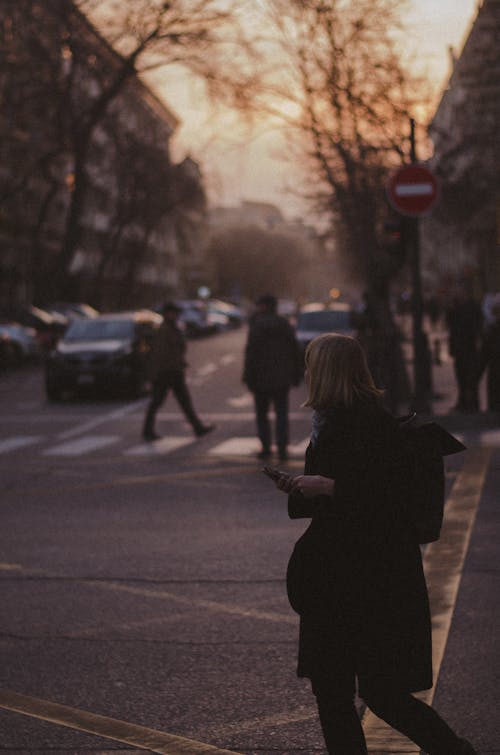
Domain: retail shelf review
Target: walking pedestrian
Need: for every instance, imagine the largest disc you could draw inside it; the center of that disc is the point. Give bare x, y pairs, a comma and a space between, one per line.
168, 366
465, 327
273, 363
355, 576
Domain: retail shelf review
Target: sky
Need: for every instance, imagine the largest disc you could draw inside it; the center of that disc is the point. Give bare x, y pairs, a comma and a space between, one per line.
254, 166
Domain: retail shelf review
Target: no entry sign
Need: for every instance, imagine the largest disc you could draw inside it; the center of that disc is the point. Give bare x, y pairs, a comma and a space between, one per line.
412, 190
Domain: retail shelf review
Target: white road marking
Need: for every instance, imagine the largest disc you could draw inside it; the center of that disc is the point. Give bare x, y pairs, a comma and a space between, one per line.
279, 719
206, 369
241, 402
84, 445
159, 447
236, 447
18, 441
109, 417
249, 446
210, 605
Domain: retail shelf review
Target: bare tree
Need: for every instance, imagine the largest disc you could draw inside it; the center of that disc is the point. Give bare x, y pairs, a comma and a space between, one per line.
346, 97
82, 80
143, 34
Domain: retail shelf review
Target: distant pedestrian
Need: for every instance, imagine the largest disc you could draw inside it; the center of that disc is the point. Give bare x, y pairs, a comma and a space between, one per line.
168, 366
273, 363
465, 327
355, 576
489, 360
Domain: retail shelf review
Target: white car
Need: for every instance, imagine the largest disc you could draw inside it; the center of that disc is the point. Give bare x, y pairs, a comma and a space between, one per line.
337, 318
23, 341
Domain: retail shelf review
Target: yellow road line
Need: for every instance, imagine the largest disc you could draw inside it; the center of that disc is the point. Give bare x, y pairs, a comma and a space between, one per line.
443, 565
102, 726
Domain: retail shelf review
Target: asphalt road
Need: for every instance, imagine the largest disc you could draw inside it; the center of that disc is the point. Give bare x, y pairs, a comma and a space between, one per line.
142, 585
146, 582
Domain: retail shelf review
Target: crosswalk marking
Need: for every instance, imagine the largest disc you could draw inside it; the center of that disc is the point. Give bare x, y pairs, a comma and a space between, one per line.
236, 447
84, 445
241, 402
18, 441
233, 446
249, 446
159, 447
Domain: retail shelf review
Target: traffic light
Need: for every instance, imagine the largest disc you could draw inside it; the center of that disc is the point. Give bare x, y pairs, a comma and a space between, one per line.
394, 239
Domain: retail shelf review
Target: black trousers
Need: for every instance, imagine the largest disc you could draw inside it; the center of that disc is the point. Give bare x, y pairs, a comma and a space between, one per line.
466, 377
415, 719
279, 400
164, 382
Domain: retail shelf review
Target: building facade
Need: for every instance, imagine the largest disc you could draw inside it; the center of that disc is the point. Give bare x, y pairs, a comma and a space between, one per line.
462, 236
131, 236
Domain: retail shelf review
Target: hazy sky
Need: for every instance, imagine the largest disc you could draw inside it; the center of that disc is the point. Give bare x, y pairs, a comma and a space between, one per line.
254, 167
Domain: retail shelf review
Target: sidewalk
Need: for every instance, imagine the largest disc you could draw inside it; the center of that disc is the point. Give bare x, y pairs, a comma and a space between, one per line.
467, 688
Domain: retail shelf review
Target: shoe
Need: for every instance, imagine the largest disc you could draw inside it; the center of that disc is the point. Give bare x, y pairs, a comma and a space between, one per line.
203, 430
264, 454
151, 436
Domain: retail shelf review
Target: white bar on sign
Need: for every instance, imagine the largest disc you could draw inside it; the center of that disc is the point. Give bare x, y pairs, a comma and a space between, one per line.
414, 190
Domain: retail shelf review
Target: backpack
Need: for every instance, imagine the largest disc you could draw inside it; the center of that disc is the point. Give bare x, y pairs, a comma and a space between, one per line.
425, 445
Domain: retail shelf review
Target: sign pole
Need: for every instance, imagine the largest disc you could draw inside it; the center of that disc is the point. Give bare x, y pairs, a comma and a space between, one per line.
421, 352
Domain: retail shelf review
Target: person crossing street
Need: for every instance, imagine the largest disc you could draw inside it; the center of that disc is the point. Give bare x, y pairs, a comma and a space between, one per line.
168, 365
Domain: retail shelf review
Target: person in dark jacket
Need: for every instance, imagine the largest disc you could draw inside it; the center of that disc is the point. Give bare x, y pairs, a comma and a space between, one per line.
465, 327
167, 367
355, 576
273, 363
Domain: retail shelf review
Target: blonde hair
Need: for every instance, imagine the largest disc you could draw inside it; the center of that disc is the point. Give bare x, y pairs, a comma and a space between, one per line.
338, 373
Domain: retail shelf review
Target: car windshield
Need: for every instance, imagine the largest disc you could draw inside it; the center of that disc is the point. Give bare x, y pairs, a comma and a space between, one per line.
94, 330
325, 321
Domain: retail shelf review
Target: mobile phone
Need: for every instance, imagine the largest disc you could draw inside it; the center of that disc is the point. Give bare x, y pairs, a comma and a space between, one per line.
273, 473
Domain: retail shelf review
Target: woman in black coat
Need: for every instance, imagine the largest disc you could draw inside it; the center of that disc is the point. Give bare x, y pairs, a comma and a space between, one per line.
355, 576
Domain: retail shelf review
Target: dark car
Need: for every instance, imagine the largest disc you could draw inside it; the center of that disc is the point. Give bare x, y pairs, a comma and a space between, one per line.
337, 318
108, 352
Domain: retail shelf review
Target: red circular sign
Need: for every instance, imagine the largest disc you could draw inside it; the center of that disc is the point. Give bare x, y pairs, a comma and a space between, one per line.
412, 190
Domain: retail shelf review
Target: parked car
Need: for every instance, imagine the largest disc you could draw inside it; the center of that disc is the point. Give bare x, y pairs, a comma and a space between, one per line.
24, 344
70, 310
108, 352
194, 318
49, 326
234, 314
336, 318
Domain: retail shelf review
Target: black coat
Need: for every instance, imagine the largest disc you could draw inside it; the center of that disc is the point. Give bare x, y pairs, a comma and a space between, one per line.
355, 576
273, 359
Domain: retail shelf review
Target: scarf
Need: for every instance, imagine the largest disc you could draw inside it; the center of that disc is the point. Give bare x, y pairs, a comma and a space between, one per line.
318, 422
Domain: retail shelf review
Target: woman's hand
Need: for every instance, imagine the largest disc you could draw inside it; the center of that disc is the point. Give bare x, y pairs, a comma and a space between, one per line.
308, 485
